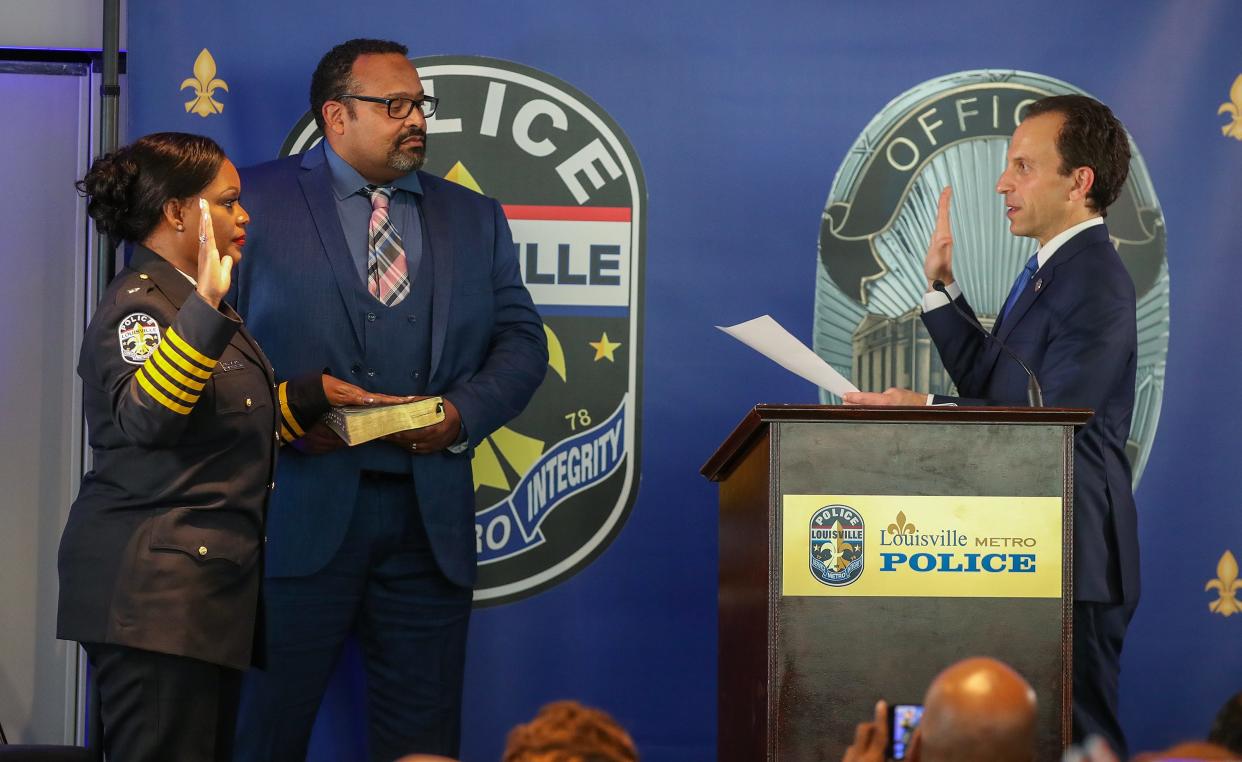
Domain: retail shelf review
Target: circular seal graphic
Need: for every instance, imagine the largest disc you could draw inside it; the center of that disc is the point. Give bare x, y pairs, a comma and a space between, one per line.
954, 130
138, 335
554, 487
836, 552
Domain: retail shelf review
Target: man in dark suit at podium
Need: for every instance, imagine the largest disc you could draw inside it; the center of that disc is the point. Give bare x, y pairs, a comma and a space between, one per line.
1070, 317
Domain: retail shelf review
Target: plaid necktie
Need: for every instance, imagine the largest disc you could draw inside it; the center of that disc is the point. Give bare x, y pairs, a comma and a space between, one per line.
387, 277
1019, 285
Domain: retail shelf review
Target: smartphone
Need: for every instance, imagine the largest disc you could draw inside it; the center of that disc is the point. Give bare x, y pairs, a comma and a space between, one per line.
902, 720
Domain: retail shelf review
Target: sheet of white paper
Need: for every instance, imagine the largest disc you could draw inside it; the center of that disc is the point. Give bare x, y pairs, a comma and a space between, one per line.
770, 339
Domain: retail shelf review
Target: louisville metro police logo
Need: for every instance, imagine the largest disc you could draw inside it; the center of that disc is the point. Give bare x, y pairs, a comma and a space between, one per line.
955, 130
836, 545
139, 335
554, 487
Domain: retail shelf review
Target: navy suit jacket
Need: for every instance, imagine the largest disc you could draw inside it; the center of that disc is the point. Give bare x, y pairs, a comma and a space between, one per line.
296, 287
1075, 326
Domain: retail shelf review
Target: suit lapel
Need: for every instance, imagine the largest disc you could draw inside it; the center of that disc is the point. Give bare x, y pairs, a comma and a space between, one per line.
1045, 275
1039, 285
1041, 280
439, 226
1032, 292
316, 185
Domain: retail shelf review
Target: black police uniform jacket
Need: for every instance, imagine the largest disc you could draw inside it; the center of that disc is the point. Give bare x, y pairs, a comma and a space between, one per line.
162, 549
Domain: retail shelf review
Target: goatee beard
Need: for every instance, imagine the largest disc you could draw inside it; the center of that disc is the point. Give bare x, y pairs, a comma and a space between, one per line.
405, 161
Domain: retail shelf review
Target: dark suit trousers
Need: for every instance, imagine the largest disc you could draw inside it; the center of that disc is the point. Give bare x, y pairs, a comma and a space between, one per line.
1099, 629
384, 587
159, 707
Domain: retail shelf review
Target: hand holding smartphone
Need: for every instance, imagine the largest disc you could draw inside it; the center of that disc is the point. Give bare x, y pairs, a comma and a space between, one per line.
902, 721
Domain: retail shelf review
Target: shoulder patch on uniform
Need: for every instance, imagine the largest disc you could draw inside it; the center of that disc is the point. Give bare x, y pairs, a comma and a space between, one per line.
139, 335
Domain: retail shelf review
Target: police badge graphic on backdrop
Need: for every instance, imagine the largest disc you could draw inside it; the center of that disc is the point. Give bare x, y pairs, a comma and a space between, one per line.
555, 486
955, 130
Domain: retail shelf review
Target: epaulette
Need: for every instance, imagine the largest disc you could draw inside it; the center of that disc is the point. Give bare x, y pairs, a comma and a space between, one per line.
132, 286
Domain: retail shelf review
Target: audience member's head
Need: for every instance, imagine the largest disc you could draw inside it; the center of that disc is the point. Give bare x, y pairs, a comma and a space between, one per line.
977, 709
566, 731
1227, 727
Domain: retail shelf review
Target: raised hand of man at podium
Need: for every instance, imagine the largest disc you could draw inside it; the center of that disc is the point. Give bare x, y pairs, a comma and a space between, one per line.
870, 738
938, 263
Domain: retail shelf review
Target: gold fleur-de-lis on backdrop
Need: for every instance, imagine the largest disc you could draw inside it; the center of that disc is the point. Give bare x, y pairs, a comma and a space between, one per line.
901, 527
1228, 585
205, 85
1234, 109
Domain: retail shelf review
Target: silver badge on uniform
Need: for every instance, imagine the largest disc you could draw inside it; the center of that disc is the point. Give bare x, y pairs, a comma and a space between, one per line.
139, 335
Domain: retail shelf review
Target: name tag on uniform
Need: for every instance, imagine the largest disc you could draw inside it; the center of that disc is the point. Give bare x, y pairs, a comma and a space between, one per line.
228, 365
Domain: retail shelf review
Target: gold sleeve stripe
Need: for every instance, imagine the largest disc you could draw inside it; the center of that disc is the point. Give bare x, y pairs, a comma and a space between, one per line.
190, 351
163, 364
183, 363
286, 436
287, 413
158, 396
168, 386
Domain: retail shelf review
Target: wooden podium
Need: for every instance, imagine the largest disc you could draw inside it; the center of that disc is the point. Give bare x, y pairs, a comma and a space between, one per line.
802, 661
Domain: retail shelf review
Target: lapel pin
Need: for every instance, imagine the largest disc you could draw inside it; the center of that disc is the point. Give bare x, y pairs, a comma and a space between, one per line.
1039, 284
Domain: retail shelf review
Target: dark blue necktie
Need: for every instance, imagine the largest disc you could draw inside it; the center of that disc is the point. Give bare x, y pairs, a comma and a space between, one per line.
1019, 286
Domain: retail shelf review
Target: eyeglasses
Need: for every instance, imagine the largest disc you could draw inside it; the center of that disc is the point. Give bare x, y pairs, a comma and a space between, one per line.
400, 108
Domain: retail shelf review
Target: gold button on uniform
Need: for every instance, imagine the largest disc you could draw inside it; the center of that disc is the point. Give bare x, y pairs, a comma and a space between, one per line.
202, 550
249, 402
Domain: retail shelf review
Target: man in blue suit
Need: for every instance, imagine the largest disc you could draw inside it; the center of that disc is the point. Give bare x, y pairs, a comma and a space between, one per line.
1071, 318
406, 284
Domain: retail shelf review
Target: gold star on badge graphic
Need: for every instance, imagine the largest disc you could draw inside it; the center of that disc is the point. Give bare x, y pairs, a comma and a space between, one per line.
604, 348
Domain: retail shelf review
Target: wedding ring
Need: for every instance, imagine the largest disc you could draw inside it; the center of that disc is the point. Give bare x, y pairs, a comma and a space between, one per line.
202, 238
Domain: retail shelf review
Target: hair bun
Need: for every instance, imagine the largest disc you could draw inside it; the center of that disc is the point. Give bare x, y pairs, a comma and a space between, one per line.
109, 188
129, 188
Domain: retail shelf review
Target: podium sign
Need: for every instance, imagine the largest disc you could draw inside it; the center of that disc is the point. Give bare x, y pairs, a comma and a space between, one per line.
921, 546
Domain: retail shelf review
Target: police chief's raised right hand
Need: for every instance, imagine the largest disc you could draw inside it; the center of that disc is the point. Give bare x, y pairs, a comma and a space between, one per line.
215, 273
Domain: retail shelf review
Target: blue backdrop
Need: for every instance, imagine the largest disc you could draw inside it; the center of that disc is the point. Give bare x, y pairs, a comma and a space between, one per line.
740, 114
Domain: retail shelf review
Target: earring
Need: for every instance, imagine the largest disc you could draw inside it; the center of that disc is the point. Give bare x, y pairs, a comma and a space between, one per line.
180, 228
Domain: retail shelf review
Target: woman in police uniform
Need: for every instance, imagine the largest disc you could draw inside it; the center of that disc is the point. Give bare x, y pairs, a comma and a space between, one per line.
160, 562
